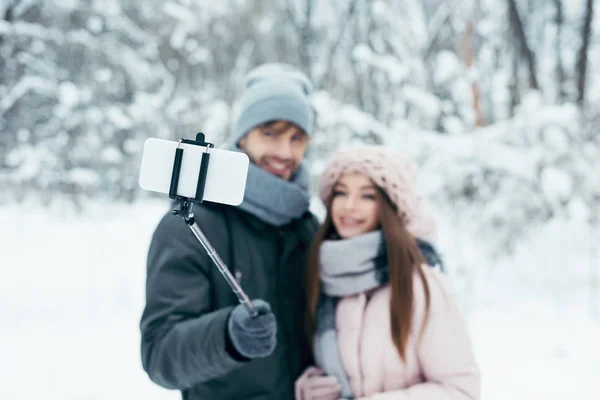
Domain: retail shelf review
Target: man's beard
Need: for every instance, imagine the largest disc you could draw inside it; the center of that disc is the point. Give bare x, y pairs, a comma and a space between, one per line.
283, 169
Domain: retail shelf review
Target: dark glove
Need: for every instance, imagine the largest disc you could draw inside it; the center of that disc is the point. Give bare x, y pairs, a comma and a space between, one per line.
253, 337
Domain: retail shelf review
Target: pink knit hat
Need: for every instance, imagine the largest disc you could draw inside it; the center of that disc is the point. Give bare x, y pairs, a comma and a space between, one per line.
393, 173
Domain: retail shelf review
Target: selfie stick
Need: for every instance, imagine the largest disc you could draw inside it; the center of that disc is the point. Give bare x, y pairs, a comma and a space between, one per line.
184, 210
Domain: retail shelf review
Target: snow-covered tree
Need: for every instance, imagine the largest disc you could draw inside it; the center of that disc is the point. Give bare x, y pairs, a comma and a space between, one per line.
484, 94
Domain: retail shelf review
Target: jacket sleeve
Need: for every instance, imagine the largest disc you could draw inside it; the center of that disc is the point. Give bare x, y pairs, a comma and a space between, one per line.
183, 339
445, 353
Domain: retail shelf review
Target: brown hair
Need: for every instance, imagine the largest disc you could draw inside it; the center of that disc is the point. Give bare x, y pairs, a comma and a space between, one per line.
280, 126
404, 259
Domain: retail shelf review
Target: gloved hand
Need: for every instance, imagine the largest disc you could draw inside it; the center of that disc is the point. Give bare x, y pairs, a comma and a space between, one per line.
253, 337
314, 385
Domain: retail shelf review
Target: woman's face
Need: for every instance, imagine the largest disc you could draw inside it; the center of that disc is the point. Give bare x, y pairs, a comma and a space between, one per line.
355, 205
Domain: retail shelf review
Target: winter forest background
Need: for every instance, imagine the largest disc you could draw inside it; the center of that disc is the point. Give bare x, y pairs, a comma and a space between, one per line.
498, 101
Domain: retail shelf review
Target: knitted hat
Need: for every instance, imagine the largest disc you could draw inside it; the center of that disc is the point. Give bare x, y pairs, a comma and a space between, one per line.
393, 173
274, 92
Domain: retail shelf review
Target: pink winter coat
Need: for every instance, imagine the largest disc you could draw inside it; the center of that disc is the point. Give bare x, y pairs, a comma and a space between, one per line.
439, 366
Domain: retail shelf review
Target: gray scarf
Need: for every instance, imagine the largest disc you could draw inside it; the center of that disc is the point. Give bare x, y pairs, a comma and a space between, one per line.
355, 265
274, 200
347, 267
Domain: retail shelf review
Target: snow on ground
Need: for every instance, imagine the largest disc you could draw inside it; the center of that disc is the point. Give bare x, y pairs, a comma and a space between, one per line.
72, 292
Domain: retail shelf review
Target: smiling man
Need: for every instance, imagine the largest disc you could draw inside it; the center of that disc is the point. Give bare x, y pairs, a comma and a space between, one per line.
195, 335
277, 147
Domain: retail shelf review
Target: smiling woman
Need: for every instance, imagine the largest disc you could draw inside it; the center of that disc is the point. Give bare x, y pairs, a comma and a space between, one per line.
277, 147
355, 207
378, 316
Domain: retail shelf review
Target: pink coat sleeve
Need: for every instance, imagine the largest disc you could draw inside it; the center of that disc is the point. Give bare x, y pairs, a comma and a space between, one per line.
445, 351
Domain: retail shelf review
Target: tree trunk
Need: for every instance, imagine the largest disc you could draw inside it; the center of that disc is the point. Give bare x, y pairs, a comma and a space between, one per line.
583, 52
8, 17
467, 49
346, 19
307, 38
594, 277
514, 85
525, 51
305, 32
560, 71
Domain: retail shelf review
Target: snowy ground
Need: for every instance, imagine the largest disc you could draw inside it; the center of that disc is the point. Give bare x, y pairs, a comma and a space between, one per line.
71, 294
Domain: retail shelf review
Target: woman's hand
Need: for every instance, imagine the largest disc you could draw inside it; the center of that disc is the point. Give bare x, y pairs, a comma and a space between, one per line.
313, 384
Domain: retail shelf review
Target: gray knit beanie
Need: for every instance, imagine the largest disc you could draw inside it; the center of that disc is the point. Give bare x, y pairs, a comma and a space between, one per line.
274, 92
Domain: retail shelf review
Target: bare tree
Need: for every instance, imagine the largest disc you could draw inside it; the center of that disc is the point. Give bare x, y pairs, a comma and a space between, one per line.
345, 20
304, 28
525, 51
559, 70
515, 98
583, 52
468, 54
314, 49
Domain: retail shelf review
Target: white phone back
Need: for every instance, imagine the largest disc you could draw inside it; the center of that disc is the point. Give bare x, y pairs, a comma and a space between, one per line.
225, 180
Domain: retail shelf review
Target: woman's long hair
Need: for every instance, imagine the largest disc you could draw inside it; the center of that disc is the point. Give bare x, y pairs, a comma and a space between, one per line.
404, 259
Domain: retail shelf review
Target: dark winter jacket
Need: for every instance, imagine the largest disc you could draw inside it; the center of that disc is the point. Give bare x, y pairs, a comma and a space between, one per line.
188, 302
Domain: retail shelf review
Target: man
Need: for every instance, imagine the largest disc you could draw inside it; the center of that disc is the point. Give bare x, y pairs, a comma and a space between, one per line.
196, 337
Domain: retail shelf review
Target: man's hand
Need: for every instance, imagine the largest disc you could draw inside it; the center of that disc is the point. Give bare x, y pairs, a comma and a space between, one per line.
314, 385
253, 337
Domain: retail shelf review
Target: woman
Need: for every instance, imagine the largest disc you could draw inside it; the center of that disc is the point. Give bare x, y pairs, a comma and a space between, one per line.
384, 326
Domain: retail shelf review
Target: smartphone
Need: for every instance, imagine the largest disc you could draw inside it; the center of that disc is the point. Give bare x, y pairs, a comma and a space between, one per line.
225, 179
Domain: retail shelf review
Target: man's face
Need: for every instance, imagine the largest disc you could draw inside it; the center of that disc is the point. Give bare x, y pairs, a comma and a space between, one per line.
277, 147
